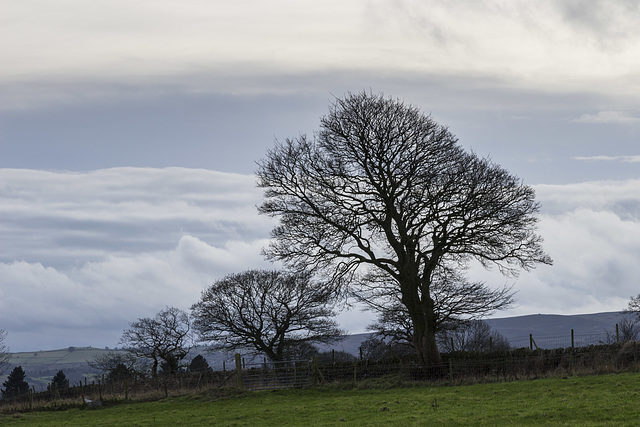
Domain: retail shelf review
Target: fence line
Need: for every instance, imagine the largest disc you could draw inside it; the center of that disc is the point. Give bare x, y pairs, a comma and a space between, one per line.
570, 339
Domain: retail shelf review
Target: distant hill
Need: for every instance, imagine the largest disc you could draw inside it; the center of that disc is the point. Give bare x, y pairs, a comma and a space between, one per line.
547, 330
41, 366
554, 330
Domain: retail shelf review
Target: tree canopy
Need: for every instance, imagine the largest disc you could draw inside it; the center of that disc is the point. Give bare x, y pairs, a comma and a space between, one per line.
383, 194
271, 312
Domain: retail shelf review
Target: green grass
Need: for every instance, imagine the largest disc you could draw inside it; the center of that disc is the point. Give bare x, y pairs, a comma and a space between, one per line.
595, 400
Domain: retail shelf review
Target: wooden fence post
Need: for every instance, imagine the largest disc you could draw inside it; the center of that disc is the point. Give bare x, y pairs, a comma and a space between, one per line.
572, 342
355, 371
238, 370
617, 335
314, 374
531, 342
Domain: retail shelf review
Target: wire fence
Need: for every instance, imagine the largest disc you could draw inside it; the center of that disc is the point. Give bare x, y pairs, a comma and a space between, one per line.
531, 357
562, 341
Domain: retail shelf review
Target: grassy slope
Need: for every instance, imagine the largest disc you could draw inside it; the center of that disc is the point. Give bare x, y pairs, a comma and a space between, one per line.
597, 400
55, 357
41, 366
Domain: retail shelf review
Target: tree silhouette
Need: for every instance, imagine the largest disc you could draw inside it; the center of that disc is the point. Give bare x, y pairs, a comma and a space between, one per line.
384, 198
59, 382
199, 364
15, 385
271, 312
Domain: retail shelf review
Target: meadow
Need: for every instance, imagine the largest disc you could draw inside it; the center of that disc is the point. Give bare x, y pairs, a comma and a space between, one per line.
589, 400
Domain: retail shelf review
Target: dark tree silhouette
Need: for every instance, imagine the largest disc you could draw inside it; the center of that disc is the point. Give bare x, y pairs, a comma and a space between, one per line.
268, 311
384, 194
199, 364
15, 385
59, 382
115, 363
165, 337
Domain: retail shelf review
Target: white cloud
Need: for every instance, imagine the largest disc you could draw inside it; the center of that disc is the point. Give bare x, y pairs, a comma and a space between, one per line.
592, 232
92, 251
623, 159
607, 117
223, 47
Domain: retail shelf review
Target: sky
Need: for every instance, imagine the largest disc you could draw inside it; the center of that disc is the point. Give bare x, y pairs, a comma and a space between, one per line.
130, 132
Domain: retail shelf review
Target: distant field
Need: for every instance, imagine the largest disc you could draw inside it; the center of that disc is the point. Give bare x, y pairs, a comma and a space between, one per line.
71, 355
594, 400
41, 366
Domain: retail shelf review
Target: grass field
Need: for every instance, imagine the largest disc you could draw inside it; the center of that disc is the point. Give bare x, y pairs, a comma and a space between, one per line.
593, 400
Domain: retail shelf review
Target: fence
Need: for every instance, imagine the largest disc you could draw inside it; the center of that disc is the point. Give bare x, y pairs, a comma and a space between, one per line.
533, 357
570, 339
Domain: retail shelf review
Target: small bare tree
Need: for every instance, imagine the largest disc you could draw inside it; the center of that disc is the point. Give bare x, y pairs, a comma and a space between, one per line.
4, 351
634, 306
272, 312
472, 335
117, 365
165, 337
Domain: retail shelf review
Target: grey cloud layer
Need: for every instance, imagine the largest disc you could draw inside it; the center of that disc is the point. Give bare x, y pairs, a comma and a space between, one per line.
83, 254
122, 210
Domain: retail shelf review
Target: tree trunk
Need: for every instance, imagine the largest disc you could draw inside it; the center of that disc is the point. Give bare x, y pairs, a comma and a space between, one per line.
154, 368
424, 329
424, 340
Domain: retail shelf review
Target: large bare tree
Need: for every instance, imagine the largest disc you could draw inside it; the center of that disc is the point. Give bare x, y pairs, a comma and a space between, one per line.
165, 337
383, 189
272, 312
457, 301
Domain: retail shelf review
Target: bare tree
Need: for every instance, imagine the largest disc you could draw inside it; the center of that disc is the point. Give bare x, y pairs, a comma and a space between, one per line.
627, 329
456, 302
472, 335
165, 337
634, 306
272, 312
4, 351
384, 190
117, 364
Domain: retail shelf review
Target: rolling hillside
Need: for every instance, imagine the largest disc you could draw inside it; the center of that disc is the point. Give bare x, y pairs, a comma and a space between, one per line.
548, 331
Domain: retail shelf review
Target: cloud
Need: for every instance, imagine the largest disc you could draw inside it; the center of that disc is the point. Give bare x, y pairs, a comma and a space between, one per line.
592, 232
93, 251
112, 48
608, 117
623, 159
122, 210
